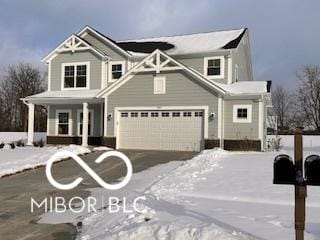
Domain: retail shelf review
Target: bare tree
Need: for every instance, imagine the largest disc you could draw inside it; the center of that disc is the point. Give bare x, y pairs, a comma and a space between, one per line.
309, 94
20, 80
281, 101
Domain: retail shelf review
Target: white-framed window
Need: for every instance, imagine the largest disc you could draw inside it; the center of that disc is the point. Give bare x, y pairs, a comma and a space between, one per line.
159, 85
242, 113
116, 70
214, 67
75, 75
63, 122
80, 122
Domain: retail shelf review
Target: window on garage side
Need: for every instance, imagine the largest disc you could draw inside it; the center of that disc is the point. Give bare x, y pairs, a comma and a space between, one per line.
159, 85
242, 113
63, 126
80, 122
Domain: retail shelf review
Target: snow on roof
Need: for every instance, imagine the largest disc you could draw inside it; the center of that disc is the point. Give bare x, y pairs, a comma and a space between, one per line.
65, 94
245, 87
193, 43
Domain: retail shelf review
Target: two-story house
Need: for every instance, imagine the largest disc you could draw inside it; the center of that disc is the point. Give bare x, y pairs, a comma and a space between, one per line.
184, 92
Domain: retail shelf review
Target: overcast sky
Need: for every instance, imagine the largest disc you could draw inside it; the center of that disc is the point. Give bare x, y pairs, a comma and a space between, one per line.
285, 34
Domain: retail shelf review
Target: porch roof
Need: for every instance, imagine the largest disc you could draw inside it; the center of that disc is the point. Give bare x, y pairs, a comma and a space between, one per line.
64, 97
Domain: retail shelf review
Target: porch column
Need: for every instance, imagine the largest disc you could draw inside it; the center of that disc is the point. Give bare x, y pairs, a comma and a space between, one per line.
85, 122
30, 123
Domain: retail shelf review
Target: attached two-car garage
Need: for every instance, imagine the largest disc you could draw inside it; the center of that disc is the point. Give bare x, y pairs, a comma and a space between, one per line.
161, 129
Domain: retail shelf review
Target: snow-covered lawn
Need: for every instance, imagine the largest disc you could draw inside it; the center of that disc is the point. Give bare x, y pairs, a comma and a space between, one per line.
23, 158
8, 137
216, 195
28, 157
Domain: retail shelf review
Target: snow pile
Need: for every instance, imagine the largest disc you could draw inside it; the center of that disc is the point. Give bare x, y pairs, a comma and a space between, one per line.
184, 178
23, 158
8, 137
101, 148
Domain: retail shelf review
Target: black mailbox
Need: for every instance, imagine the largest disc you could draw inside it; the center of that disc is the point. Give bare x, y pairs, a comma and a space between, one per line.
312, 170
283, 170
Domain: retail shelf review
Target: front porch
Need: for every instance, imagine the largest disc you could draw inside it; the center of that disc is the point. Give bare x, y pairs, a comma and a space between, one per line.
70, 120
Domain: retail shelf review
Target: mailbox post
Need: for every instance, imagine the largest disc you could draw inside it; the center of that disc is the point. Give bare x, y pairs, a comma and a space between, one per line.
300, 186
288, 172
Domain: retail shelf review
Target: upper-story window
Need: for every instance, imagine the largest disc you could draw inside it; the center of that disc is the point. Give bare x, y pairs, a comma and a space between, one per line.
214, 67
75, 75
116, 70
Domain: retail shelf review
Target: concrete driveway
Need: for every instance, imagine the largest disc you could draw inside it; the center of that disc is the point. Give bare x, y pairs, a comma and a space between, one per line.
16, 220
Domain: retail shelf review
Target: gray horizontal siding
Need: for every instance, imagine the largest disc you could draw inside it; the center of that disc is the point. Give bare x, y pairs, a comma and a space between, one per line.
197, 63
96, 118
96, 42
180, 91
240, 130
85, 56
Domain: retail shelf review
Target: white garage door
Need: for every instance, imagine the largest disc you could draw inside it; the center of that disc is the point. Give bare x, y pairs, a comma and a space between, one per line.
164, 130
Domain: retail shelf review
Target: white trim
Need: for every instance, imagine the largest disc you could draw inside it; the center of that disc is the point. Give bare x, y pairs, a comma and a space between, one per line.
48, 120
169, 108
261, 123
103, 74
123, 70
79, 111
220, 118
49, 77
249, 113
71, 47
30, 124
128, 75
230, 73
75, 64
205, 67
101, 119
69, 122
105, 117
104, 39
155, 85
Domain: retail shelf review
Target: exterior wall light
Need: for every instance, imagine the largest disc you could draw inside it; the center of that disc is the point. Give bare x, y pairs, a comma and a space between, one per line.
212, 116
109, 116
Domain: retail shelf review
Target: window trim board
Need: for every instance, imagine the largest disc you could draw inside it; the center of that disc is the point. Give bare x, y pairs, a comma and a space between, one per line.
69, 122
242, 120
110, 63
222, 67
75, 64
91, 111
